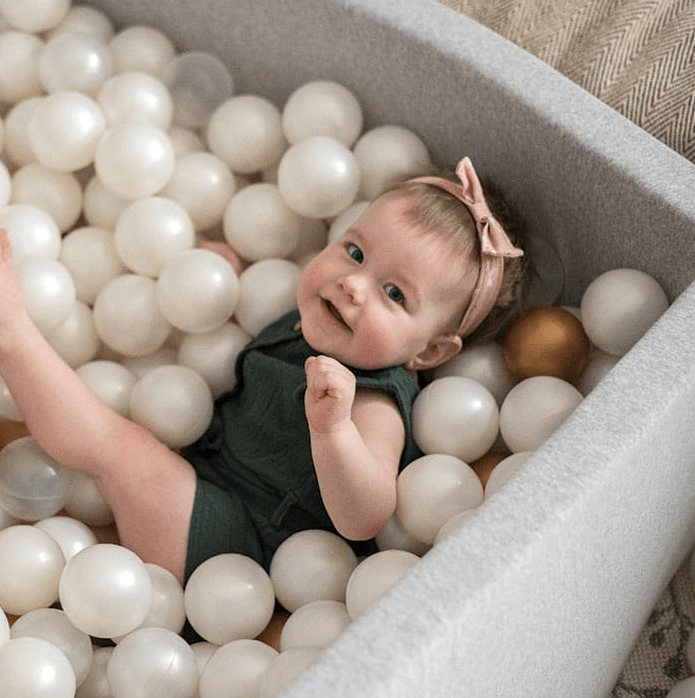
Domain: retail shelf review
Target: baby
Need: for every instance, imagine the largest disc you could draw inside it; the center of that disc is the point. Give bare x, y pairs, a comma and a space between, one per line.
317, 427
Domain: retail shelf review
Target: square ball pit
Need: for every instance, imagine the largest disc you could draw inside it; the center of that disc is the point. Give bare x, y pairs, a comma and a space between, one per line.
545, 590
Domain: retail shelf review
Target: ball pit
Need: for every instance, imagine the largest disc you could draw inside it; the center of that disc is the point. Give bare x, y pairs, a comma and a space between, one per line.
401, 150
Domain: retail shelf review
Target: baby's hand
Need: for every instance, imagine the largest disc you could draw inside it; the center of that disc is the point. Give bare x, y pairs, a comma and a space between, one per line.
329, 395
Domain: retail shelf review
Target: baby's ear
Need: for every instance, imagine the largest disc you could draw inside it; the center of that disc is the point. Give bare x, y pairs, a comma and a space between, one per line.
439, 350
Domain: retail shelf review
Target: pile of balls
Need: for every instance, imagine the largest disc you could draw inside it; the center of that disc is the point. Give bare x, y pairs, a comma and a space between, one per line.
118, 162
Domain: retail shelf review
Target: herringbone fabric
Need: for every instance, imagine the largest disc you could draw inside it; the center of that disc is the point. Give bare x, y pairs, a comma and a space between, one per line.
637, 56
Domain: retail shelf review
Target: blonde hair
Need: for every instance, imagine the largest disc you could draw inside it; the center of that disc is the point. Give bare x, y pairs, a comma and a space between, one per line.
443, 214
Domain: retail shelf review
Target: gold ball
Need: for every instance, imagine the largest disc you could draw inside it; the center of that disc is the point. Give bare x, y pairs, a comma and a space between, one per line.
546, 341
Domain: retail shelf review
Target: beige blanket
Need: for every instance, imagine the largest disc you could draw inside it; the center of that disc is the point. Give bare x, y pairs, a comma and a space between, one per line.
637, 56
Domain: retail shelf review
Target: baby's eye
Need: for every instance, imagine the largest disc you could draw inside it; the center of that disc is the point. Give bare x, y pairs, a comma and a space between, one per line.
394, 293
355, 252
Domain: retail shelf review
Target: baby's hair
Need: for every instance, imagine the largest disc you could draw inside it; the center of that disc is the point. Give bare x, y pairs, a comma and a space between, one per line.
442, 212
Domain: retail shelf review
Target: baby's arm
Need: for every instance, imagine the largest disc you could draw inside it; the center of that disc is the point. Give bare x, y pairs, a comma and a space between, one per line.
356, 442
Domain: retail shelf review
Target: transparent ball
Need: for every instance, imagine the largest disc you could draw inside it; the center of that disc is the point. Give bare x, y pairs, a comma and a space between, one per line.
199, 82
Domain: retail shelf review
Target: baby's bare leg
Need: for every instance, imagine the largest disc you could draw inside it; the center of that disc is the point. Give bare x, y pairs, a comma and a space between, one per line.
149, 487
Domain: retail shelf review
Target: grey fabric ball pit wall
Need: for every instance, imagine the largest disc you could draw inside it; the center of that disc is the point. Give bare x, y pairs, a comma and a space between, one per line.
544, 591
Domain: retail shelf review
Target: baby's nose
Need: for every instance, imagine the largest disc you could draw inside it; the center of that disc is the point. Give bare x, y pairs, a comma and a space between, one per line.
355, 286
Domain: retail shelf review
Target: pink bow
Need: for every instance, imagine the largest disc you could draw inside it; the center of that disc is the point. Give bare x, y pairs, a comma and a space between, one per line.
495, 245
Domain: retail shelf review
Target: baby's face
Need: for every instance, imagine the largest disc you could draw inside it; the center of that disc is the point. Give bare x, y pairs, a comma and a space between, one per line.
378, 295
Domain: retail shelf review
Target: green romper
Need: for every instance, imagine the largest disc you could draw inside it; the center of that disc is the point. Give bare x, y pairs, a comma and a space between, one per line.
256, 483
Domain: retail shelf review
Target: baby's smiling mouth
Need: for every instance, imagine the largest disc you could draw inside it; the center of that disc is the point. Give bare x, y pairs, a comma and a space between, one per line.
335, 313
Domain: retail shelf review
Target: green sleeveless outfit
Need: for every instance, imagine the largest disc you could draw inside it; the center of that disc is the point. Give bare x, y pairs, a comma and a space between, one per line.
256, 483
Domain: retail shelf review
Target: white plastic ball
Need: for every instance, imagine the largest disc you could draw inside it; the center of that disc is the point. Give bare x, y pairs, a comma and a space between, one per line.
185, 141
111, 381
258, 224
140, 47
213, 355
457, 416
152, 663
197, 290
101, 207
203, 651
74, 61
5, 185
70, 534
229, 597
166, 607
534, 409
199, 82
19, 66
96, 684
105, 590
48, 290
135, 96
311, 565
236, 669
34, 15
34, 668
453, 524
174, 403
127, 316
504, 470
374, 576
52, 625
134, 159
85, 502
31, 563
75, 340
17, 147
344, 220
600, 363
90, 255
32, 483
322, 108
386, 154
267, 290
316, 624
31, 230
65, 129
246, 132
140, 365
483, 363
285, 668
394, 537
313, 237
58, 193
150, 232
203, 184
87, 20
431, 490
7, 520
318, 177
619, 306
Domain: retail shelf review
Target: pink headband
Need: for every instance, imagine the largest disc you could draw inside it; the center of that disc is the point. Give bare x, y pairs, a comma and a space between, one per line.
494, 243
